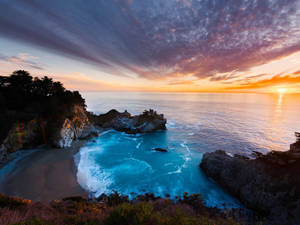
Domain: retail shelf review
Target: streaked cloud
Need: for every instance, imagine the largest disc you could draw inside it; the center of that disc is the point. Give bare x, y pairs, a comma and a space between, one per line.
280, 79
181, 82
156, 39
22, 60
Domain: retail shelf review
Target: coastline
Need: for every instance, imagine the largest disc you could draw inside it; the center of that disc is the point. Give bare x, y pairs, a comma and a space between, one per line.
43, 175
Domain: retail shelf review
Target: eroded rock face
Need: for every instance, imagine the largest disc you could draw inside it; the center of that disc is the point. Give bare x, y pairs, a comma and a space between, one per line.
34, 133
66, 135
22, 136
147, 122
269, 184
77, 127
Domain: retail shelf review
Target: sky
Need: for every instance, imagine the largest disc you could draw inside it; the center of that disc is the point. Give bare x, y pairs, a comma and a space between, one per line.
155, 45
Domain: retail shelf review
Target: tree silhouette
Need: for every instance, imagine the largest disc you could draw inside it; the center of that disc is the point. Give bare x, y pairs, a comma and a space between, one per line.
23, 98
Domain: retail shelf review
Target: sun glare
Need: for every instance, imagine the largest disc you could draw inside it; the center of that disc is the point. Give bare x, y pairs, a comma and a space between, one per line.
281, 90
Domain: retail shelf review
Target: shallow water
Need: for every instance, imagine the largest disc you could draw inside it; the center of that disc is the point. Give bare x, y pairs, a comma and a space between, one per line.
197, 123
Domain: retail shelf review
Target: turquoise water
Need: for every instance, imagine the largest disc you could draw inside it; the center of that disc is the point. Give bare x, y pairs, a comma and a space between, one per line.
197, 123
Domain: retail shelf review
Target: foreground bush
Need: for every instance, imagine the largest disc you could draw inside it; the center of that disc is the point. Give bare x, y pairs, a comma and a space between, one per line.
111, 210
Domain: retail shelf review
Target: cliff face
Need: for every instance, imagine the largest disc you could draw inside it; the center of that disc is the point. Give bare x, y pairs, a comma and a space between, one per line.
33, 133
76, 127
269, 184
79, 124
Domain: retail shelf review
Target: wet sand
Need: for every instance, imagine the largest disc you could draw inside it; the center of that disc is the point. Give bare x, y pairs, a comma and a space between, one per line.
43, 175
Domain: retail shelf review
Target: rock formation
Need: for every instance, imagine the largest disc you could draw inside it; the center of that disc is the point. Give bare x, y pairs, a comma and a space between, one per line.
35, 132
76, 127
148, 121
269, 184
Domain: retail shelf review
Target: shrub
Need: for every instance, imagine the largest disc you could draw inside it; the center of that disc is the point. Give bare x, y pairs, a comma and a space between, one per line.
12, 202
33, 221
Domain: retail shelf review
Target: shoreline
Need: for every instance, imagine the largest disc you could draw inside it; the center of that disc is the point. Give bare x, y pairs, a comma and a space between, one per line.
43, 175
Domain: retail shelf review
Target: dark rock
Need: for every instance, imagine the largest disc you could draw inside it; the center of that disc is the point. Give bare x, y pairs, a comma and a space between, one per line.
59, 133
160, 150
147, 122
268, 184
21, 136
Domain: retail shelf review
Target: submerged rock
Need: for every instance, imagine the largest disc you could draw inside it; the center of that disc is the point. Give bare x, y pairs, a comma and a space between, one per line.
146, 122
269, 184
160, 150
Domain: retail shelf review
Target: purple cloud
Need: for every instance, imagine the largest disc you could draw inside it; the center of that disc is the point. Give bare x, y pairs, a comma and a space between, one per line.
22, 59
158, 38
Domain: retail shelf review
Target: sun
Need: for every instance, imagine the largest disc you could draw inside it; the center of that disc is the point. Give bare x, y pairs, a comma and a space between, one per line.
281, 90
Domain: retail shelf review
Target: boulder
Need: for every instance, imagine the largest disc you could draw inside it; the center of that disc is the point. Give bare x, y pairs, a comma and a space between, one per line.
160, 150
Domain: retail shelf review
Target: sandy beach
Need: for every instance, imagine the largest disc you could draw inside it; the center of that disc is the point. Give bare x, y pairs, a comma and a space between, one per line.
43, 175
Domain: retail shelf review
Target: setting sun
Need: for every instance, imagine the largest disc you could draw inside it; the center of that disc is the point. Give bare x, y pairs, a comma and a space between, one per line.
281, 90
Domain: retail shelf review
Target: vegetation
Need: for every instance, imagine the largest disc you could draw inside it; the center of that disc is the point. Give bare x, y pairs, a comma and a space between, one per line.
151, 114
23, 98
114, 210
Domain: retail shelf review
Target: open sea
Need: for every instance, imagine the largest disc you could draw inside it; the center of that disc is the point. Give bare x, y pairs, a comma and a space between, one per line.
197, 123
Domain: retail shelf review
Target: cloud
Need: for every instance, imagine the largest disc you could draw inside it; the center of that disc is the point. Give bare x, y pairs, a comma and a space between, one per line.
181, 82
279, 79
81, 82
157, 38
23, 60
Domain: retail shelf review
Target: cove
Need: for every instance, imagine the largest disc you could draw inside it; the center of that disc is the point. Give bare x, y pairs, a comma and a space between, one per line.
116, 161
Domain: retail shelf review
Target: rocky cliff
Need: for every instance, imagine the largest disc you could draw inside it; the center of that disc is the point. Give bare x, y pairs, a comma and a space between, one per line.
268, 184
76, 127
35, 132
21, 135
146, 122
79, 124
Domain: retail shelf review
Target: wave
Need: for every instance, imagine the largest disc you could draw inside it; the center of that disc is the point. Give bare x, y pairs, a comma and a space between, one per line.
171, 124
139, 145
131, 166
90, 175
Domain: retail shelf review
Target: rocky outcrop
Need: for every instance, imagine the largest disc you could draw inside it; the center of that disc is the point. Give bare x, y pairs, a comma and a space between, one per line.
33, 133
22, 135
147, 122
65, 135
76, 127
269, 184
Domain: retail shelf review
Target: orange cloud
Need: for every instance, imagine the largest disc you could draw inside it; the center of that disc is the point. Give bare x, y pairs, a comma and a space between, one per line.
291, 79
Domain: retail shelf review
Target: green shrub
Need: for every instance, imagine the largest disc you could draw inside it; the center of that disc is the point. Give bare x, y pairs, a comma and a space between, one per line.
116, 199
34, 221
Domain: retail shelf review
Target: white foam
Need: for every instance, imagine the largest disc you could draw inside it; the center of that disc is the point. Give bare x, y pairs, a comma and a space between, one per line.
105, 132
91, 176
171, 124
179, 170
230, 154
139, 145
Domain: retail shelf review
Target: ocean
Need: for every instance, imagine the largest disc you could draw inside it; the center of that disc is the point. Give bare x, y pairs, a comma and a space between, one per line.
197, 123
